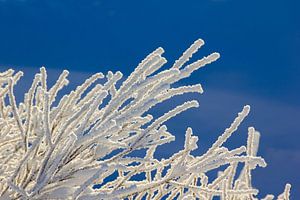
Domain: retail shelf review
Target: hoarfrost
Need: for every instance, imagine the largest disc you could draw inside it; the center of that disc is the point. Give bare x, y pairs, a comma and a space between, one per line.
60, 152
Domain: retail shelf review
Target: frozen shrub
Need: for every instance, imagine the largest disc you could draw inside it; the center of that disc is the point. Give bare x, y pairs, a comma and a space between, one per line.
61, 150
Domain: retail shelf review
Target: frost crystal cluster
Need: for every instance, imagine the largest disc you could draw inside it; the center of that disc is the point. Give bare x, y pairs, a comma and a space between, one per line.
54, 148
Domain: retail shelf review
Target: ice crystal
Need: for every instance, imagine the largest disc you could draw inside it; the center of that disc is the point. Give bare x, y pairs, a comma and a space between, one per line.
54, 148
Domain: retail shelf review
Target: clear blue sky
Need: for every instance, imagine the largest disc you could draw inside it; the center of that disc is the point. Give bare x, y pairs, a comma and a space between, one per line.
259, 42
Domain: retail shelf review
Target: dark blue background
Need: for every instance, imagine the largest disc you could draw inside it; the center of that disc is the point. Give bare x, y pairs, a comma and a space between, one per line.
259, 42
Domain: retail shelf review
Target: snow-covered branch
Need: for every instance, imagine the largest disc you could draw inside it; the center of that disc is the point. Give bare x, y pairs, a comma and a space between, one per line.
54, 148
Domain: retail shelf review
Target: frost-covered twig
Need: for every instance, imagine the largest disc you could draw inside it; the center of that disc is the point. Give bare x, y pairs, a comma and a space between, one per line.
87, 138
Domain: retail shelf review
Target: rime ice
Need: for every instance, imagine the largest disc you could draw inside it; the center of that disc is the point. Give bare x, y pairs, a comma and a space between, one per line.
60, 152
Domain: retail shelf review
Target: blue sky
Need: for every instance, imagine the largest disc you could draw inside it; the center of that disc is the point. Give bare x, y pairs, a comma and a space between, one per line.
259, 42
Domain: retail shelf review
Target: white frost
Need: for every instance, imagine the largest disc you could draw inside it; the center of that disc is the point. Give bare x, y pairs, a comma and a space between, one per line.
60, 152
